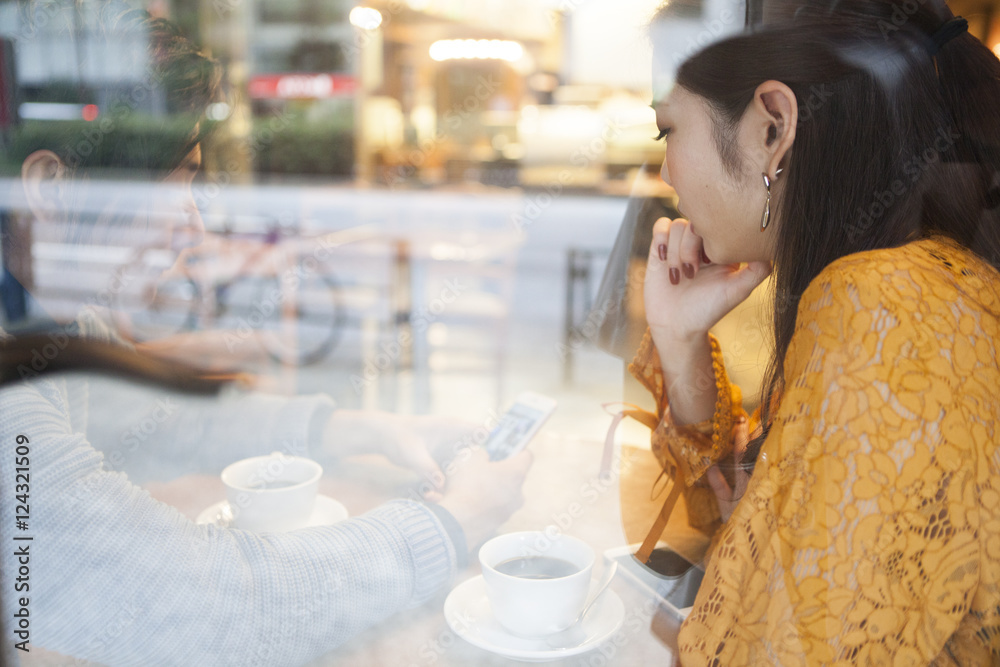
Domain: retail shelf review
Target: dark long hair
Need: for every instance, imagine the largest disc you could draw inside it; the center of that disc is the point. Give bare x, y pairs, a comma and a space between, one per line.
29, 356
894, 141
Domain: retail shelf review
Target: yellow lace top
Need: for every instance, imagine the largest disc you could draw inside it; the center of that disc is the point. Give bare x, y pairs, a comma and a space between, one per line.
869, 533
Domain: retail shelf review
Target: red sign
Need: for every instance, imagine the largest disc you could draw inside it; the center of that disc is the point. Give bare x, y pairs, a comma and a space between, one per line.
301, 86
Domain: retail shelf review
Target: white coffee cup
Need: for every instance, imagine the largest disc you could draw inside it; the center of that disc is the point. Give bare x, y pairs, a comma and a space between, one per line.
531, 607
271, 493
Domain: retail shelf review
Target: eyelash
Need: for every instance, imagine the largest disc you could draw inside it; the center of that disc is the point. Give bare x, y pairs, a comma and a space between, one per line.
664, 133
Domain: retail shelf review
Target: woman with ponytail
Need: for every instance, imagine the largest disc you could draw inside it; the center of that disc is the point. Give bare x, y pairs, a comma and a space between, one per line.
853, 153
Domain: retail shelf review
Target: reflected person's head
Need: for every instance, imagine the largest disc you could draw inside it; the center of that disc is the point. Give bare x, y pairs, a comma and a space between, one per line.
124, 177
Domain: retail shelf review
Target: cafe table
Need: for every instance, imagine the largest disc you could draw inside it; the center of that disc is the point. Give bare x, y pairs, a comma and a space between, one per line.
565, 492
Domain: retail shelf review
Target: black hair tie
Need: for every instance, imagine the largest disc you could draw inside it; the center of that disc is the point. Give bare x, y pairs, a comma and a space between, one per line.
947, 31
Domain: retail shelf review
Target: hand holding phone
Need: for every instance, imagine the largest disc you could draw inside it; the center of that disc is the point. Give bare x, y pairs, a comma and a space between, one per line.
518, 425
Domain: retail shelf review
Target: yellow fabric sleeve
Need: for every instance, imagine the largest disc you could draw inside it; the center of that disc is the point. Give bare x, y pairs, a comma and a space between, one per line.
694, 447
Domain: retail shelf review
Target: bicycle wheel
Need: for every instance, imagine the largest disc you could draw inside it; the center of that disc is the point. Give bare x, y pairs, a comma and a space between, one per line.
297, 325
156, 304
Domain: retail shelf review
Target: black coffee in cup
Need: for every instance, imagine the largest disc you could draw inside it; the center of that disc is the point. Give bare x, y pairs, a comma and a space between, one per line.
536, 583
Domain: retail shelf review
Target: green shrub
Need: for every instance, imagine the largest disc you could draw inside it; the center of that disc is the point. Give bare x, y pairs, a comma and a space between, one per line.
303, 148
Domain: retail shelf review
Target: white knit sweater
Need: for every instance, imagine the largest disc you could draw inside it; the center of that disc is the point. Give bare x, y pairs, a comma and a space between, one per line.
120, 578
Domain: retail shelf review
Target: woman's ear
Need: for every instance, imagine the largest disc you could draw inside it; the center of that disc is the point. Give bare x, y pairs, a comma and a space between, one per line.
43, 176
775, 115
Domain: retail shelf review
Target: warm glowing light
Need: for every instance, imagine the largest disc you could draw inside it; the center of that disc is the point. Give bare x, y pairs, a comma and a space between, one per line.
89, 112
476, 49
996, 49
218, 111
365, 18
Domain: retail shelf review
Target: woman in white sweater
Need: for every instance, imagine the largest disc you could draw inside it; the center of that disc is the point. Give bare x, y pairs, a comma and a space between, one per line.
111, 575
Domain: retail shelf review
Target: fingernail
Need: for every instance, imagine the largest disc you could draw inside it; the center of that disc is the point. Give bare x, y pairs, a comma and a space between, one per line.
704, 257
688, 270
662, 252
675, 277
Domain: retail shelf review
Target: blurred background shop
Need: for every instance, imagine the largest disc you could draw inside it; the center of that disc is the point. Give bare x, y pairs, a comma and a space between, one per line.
446, 177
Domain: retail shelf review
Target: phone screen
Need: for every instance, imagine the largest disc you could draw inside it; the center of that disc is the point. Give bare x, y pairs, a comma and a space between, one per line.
509, 435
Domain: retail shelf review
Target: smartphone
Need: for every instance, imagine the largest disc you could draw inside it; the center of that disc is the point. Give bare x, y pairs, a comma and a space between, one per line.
675, 589
518, 425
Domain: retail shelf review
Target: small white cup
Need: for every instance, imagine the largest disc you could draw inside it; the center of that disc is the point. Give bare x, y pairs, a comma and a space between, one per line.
536, 607
271, 493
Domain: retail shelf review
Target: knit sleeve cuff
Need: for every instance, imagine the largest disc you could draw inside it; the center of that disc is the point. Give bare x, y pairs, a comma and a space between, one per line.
434, 555
455, 532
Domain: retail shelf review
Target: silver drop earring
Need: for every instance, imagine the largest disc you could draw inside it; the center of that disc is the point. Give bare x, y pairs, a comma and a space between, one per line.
765, 217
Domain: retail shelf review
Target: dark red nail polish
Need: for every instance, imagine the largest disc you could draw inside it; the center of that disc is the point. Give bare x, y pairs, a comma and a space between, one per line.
704, 257
662, 252
688, 270
675, 277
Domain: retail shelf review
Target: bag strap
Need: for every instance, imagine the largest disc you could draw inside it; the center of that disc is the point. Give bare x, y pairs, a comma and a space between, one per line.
651, 421
629, 410
653, 536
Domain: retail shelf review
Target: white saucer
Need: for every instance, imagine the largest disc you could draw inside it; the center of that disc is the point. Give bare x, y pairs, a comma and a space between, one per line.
469, 615
326, 510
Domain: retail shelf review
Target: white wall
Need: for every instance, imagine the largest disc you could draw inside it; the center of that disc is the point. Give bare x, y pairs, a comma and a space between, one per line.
609, 45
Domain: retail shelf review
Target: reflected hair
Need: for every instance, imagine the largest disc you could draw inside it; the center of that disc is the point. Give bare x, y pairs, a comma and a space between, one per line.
893, 143
29, 356
150, 123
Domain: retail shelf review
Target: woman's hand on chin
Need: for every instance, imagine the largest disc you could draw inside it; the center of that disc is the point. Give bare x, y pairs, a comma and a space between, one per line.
685, 294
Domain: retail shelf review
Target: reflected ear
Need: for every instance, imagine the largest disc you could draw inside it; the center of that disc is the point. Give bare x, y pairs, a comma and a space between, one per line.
775, 117
43, 177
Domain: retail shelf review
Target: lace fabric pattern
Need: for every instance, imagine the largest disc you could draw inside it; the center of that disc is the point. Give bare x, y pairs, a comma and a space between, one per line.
869, 533
695, 447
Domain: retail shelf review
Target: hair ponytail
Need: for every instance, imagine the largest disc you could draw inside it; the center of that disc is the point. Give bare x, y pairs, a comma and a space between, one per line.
964, 193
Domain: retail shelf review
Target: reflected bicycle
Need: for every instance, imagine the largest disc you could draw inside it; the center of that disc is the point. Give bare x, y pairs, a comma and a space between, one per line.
272, 290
